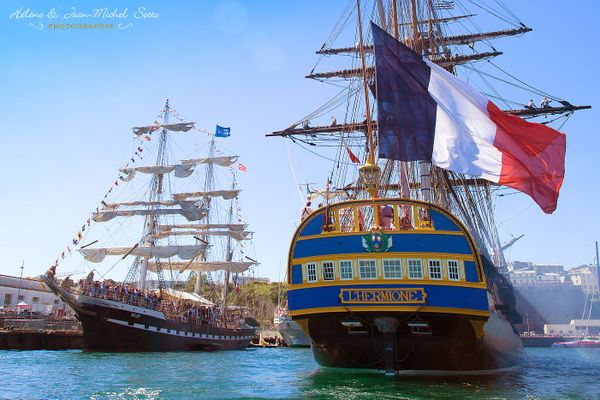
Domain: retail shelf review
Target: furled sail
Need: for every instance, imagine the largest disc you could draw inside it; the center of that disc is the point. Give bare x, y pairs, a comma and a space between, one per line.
225, 194
179, 127
203, 266
233, 227
223, 161
188, 252
191, 214
183, 204
181, 171
237, 235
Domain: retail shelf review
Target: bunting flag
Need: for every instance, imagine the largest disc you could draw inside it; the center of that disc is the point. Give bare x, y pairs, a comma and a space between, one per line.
242, 167
353, 158
222, 131
426, 113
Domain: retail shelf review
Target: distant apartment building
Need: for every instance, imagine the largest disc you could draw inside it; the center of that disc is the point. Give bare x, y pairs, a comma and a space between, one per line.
14, 290
530, 274
585, 276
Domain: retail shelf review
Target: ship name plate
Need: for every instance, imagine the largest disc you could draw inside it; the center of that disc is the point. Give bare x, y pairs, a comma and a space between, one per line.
383, 296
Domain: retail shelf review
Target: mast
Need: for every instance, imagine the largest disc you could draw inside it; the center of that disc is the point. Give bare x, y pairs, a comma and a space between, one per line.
229, 256
369, 172
155, 194
208, 185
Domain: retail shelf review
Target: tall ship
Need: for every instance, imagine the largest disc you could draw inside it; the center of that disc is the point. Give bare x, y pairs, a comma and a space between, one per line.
399, 268
176, 224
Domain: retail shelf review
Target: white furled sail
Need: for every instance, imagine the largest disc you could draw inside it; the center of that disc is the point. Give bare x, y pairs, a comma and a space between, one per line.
237, 235
225, 194
168, 203
181, 171
232, 227
203, 266
187, 252
190, 214
179, 127
223, 161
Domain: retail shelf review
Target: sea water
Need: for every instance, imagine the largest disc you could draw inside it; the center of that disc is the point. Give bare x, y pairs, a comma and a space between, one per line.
277, 373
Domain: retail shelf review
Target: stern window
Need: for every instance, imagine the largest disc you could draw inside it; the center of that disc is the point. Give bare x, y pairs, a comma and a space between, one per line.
311, 272
392, 269
453, 270
435, 269
328, 271
346, 270
367, 269
415, 269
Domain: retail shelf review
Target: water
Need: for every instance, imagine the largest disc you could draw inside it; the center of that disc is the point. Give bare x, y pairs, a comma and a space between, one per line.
276, 373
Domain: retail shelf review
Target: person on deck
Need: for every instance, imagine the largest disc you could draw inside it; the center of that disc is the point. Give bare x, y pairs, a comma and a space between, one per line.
530, 105
306, 210
386, 215
545, 103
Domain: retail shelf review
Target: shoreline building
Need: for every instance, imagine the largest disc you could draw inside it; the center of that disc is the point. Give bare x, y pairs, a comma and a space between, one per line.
539, 286
35, 293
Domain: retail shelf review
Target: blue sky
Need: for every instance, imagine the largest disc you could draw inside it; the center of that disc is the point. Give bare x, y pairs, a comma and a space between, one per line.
69, 98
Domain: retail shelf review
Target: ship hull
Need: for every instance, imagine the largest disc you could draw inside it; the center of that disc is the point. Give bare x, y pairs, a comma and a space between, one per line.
451, 348
293, 334
114, 326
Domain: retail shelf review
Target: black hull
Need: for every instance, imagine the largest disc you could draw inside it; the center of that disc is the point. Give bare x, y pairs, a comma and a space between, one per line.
114, 326
451, 348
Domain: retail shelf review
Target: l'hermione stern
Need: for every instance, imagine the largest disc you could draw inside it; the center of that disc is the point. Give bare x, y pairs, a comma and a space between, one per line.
399, 269
129, 316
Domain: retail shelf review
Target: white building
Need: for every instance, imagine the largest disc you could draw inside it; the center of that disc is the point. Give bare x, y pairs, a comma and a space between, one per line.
15, 290
585, 276
577, 327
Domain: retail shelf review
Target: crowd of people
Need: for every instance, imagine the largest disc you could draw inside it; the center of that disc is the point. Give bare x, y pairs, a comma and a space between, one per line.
120, 292
177, 309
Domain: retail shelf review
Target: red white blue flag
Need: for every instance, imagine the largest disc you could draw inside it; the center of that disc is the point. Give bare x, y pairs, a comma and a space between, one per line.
426, 113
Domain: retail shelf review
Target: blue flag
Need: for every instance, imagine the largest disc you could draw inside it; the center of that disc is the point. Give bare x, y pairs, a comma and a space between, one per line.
222, 131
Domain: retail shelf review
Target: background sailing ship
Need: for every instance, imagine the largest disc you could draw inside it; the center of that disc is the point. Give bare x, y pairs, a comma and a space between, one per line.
323, 256
176, 222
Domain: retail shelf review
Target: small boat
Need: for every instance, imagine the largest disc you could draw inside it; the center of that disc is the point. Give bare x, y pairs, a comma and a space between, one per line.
292, 333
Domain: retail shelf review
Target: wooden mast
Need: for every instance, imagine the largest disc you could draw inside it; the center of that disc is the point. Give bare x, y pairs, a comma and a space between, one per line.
371, 156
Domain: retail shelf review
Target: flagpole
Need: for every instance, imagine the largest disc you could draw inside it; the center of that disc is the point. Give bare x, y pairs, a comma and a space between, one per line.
23, 265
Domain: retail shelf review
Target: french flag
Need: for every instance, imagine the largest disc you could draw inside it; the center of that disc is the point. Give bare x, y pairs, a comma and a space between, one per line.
426, 113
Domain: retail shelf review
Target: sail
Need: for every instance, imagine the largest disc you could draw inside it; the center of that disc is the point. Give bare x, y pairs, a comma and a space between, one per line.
181, 171
183, 204
179, 127
203, 266
233, 227
237, 235
187, 252
223, 161
190, 214
225, 194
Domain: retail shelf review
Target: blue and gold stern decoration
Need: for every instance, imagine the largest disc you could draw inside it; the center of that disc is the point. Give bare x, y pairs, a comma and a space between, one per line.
377, 241
383, 255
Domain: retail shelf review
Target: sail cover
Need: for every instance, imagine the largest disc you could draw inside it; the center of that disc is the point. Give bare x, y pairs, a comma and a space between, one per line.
426, 113
188, 252
203, 266
225, 194
186, 296
179, 127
